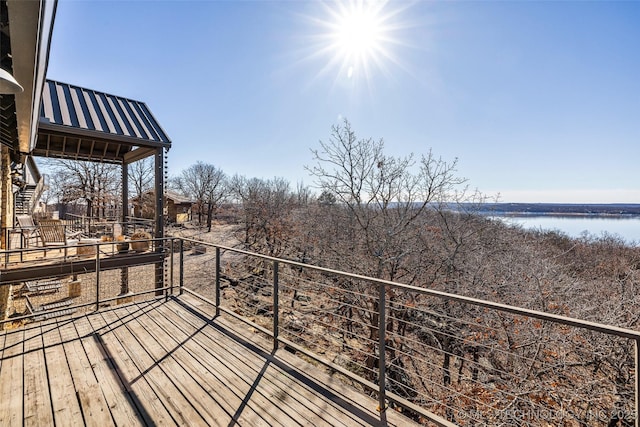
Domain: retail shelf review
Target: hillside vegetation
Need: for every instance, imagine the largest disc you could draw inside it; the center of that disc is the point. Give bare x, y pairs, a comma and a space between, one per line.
391, 218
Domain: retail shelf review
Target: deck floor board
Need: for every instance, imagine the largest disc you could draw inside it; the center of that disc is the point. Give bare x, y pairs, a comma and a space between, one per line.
11, 379
313, 409
65, 405
94, 408
210, 390
149, 379
123, 410
166, 363
37, 404
145, 403
220, 369
164, 374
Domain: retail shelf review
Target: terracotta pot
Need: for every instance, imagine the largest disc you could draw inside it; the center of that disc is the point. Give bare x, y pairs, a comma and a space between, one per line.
139, 246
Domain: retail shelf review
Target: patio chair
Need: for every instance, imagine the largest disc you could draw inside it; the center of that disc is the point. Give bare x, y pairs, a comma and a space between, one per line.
27, 228
52, 233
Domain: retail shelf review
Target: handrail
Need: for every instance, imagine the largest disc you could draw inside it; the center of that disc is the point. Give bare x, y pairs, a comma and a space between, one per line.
564, 320
376, 290
382, 286
37, 193
555, 318
166, 287
93, 225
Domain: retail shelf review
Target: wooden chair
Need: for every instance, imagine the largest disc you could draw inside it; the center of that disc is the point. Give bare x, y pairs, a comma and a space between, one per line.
52, 233
28, 228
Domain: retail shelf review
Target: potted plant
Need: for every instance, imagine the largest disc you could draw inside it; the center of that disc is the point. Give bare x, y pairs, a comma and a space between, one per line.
140, 246
106, 248
122, 245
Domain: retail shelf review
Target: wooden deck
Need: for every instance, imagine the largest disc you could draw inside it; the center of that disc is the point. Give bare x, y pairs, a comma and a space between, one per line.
166, 363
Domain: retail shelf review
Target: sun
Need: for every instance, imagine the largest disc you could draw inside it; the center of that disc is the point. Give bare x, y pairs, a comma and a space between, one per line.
358, 32
357, 35
357, 38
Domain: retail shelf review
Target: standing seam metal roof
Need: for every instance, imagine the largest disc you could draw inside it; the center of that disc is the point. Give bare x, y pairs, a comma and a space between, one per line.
106, 115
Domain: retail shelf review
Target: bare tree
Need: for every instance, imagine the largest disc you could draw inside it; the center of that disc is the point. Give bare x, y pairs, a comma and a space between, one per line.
383, 196
141, 180
97, 185
207, 185
268, 207
381, 203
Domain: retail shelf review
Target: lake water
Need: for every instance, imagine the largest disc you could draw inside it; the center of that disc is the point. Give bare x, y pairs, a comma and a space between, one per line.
627, 228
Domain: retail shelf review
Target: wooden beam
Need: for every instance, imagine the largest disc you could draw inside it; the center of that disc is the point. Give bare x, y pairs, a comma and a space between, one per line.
138, 154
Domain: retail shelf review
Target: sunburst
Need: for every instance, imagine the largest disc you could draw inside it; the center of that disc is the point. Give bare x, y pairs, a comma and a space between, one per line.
356, 39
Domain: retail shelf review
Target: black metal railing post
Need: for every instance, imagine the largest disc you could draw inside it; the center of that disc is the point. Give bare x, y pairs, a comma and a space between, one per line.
276, 305
7, 246
97, 276
181, 281
382, 368
171, 266
217, 281
636, 409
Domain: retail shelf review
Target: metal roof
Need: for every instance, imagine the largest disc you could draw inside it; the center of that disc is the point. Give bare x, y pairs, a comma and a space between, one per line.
168, 194
177, 197
84, 124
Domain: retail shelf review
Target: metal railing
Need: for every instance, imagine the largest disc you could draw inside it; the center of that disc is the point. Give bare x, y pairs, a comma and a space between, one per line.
438, 357
446, 358
73, 278
95, 227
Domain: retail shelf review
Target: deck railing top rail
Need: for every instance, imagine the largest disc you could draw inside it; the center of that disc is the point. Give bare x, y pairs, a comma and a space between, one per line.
564, 320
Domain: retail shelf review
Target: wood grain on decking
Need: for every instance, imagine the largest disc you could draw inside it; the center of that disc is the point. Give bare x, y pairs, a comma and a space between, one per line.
165, 363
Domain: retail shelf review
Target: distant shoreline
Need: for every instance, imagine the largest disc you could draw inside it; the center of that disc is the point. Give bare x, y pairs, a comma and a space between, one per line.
561, 210
561, 215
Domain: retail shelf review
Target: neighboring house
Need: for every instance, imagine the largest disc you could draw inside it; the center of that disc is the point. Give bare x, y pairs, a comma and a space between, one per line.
177, 207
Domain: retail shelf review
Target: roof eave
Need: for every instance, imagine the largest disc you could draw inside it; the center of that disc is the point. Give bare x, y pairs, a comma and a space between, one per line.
31, 26
45, 125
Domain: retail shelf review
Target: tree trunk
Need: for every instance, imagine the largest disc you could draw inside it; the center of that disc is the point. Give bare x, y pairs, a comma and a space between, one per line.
209, 214
446, 379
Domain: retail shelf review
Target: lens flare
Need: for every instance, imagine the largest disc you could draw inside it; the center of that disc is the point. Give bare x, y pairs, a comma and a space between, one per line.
355, 40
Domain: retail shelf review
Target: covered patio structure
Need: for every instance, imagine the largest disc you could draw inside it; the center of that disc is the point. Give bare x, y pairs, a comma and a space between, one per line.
86, 125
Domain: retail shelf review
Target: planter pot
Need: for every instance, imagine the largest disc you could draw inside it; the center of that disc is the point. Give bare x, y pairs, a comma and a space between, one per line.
199, 249
139, 246
123, 247
75, 289
87, 247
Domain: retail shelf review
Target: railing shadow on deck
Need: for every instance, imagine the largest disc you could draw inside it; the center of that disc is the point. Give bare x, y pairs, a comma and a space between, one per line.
435, 356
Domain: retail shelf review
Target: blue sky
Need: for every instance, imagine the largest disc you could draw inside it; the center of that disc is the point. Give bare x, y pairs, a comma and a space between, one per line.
539, 101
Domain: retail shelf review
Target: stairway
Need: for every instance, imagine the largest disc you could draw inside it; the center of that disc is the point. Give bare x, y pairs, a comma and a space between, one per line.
23, 199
